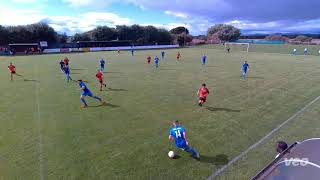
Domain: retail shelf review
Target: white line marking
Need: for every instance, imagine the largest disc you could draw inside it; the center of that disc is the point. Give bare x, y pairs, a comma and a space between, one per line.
41, 162
218, 172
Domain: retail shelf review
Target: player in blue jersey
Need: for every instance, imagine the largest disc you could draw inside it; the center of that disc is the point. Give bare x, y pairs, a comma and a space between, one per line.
102, 62
203, 60
244, 69
305, 51
178, 134
86, 92
66, 71
132, 52
162, 55
294, 51
156, 61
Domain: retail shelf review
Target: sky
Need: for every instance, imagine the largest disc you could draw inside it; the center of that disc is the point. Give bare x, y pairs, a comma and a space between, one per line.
251, 16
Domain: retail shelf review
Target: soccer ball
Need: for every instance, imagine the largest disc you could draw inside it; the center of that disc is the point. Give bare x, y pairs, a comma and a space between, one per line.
171, 154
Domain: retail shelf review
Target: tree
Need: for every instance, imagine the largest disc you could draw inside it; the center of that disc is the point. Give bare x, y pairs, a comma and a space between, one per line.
4, 34
137, 32
224, 32
179, 30
213, 39
41, 32
163, 36
150, 34
81, 37
183, 39
19, 34
62, 38
104, 33
32, 33
123, 32
143, 34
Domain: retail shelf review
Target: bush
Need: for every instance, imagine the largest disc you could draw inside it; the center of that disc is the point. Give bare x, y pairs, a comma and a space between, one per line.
276, 37
224, 32
303, 38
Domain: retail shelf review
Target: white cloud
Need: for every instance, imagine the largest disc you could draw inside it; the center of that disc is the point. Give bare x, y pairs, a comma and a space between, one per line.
78, 2
89, 3
252, 25
68, 24
10, 16
24, 1
176, 14
85, 22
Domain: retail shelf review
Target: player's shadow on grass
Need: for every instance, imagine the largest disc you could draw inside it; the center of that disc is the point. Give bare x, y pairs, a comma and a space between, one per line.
167, 69
254, 77
213, 109
31, 80
109, 72
77, 69
219, 160
106, 105
119, 90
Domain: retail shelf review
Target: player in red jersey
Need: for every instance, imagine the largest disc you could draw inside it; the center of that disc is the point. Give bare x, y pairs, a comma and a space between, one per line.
66, 61
148, 59
12, 70
202, 93
99, 77
178, 56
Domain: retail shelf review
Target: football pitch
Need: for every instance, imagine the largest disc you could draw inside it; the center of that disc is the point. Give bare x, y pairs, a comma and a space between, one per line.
44, 134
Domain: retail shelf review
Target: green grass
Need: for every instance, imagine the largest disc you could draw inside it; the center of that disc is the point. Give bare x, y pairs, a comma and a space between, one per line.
271, 48
127, 139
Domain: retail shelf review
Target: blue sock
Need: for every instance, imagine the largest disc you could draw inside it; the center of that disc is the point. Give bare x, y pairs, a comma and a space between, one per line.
191, 151
96, 97
84, 102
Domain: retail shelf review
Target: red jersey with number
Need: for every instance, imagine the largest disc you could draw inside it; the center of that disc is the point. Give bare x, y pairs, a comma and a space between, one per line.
203, 92
99, 76
12, 68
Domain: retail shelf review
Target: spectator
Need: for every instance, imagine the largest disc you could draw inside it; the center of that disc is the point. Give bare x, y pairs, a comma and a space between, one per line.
281, 146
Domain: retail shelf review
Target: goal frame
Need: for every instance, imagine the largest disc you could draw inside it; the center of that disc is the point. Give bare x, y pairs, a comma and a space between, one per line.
226, 44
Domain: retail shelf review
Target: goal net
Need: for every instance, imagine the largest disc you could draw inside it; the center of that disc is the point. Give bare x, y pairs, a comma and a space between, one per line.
237, 47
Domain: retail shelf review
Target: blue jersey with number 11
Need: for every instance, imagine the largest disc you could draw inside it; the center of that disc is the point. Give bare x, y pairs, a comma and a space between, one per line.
245, 67
177, 134
102, 62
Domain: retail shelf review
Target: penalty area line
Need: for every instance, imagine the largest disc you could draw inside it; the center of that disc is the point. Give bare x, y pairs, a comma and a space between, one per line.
225, 167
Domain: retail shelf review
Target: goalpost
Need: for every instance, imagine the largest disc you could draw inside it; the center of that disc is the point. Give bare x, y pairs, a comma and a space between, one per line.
243, 46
